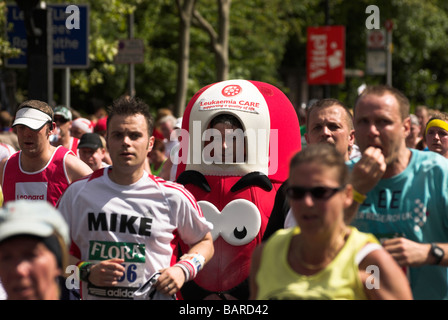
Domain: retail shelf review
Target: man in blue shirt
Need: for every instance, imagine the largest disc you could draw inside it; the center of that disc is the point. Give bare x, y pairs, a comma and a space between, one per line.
401, 194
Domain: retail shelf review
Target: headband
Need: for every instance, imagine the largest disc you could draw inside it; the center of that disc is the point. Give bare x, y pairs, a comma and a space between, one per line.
436, 123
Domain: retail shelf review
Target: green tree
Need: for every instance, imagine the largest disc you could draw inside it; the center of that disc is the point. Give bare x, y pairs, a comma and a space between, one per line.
6, 51
267, 42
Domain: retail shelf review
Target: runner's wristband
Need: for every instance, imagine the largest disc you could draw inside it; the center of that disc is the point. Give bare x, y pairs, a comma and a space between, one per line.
360, 198
185, 269
82, 265
191, 264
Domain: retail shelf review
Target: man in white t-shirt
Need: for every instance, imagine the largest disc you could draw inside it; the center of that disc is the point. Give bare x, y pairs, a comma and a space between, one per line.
125, 223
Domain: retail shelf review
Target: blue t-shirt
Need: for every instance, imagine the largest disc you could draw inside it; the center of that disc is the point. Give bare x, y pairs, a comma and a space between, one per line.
414, 205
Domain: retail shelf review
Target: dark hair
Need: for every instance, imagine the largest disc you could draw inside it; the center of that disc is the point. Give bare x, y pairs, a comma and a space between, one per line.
226, 118
128, 106
324, 154
325, 103
380, 90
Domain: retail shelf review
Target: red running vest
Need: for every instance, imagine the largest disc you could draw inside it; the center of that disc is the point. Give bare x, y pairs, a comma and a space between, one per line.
46, 184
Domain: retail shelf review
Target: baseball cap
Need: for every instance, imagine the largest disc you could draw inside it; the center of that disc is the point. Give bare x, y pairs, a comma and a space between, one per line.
31, 217
64, 112
83, 124
90, 140
33, 114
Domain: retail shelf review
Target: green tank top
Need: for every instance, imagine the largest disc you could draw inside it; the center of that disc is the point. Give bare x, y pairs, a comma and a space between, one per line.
154, 171
339, 280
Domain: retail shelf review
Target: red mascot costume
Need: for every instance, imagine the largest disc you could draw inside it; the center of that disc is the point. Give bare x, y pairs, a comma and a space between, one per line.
237, 196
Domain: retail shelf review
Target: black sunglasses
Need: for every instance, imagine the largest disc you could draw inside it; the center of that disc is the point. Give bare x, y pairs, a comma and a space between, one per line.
318, 193
60, 119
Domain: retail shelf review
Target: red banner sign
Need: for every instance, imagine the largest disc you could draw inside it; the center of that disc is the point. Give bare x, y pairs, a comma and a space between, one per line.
325, 55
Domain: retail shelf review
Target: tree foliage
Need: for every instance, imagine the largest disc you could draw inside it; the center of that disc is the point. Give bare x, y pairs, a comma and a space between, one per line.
267, 40
6, 51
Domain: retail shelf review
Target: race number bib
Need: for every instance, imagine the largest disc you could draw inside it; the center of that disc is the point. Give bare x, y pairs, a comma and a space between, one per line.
134, 263
31, 191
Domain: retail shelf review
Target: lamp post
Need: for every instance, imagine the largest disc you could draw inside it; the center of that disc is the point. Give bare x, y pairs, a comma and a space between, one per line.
40, 50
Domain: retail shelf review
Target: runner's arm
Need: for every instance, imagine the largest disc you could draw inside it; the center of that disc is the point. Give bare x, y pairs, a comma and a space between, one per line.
382, 277
173, 278
76, 168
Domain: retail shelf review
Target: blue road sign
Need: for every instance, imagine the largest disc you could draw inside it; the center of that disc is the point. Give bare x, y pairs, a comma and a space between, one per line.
70, 35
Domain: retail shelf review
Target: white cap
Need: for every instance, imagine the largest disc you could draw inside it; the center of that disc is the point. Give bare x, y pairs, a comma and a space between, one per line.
31, 217
32, 118
83, 124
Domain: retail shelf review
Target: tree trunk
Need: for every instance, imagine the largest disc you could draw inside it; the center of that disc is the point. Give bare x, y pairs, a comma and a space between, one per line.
186, 8
222, 50
220, 40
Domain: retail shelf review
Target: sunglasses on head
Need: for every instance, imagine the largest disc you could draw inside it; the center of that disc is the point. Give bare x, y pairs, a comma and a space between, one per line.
318, 193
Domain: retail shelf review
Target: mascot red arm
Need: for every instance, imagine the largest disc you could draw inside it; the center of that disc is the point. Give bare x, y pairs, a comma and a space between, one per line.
236, 196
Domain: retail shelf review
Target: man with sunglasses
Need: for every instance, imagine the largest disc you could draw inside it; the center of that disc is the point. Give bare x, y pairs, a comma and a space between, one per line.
400, 193
39, 171
63, 118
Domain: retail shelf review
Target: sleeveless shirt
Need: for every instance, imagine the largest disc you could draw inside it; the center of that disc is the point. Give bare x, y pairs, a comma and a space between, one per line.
46, 184
339, 280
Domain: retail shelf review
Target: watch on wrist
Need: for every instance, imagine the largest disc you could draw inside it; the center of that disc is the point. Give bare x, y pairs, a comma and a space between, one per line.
84, 272
437, 252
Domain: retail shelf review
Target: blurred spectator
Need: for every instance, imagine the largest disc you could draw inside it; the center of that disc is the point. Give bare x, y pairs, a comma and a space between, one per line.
414, 135
436, 134
91, 151
161, 112
34, 241
167, 125
6, 150
63, 119
422, 113
107, 158
169, 167
157, 157
81, 126
101, 129
101, 126
7, 135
